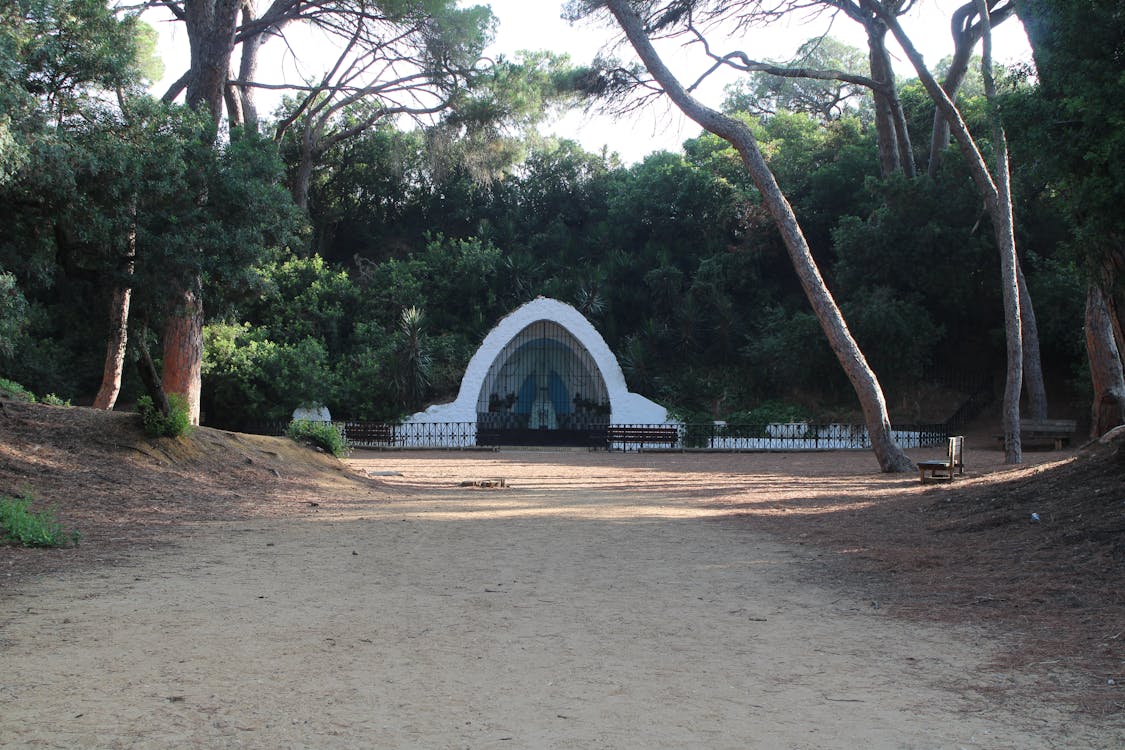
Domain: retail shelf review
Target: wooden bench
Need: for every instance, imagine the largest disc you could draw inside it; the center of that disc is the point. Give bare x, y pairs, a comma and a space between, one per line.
1049, 433
642, 435
954, 462
369, 433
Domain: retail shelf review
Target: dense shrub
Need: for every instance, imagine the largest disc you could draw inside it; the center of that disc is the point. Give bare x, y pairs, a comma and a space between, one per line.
321, 435
175, 423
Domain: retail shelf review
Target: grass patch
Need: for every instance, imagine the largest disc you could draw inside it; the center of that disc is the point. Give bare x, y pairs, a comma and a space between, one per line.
16, 392
22, 525
323, 435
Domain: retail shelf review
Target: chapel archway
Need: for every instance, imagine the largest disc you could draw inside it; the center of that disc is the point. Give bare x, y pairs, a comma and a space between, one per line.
543, 388
542, 376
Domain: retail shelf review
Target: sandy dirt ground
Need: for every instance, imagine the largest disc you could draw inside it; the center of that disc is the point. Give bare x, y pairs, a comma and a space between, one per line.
595, 601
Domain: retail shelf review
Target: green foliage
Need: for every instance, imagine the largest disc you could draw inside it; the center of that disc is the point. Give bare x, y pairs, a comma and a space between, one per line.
321, 435
12, 390
13, 314
53, 355
890, 261
306, 298
789, 354
1057, 287
250, 377
157, 424
65, 48
896, 334
367, 376
21, 524
1073, 124
147, 61
484, 132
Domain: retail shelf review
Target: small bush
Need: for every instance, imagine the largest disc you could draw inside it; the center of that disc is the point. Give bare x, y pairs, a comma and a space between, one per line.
165, 425
15, 391
22, 525
321, 435
52, 400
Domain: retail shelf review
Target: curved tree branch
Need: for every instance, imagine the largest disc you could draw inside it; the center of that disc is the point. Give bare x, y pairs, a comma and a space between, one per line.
966, 33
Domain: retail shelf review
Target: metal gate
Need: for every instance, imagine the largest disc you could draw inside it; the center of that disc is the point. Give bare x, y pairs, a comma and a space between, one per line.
544, 388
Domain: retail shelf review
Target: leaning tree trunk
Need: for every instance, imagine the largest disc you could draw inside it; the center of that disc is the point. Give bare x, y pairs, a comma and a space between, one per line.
146, 369
1106, 374
119, 325
115, 347
890, 456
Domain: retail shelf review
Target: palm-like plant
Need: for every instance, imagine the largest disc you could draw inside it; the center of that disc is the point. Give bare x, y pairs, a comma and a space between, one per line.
414, 362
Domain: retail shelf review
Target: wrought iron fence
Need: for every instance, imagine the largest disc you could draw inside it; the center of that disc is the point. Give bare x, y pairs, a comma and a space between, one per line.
764, 437
798, 436
411, 435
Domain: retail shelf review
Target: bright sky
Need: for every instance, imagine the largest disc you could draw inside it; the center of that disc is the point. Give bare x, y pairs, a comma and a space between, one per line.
537, 24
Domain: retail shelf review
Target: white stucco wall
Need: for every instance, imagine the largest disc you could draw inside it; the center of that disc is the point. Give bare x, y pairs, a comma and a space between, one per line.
312, 414
625, 407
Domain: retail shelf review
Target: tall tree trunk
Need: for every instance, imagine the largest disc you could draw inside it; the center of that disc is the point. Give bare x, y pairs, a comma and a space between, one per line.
996, 191
302, 174
1004, 225
890, 456
902, 137
1013, 321
1106, 374
886, 128
1033, 384
892, 134
247, 69
236, 118
183, 352
939, 137
211, 28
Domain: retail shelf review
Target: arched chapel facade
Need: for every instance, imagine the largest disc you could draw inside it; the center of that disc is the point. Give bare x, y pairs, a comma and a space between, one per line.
543, 376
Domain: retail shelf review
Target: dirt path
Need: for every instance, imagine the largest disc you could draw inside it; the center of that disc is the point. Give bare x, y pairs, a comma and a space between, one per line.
601, 602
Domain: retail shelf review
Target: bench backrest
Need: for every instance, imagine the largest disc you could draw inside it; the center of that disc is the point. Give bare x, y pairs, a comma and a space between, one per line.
956, 451
1048, 425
